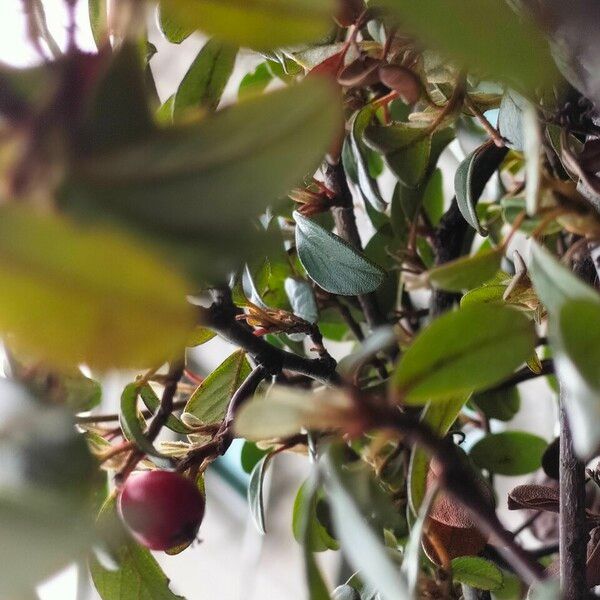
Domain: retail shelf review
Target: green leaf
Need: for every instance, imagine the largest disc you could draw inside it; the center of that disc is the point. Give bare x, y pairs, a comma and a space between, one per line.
152, 402
462, 351
411, 562
250, 456
532, 137
360, 544
433, 197
575, 340
471, 178
305, 516
174, 29
210, 401
498, 404
406, 149
205, 80
439, 417
255, 492
510, 119
72, 296
138, 577
302, 299
284, 411
509, 452
466, 272
317, 589
333, 263
511, 48
131, 423
255, 82
554, 283
261, 24
199, 336
476, 572
366, 183
98, 13
193, 188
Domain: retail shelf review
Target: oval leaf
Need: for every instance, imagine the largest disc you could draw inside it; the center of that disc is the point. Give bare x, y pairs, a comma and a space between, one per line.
471, 177
509, 452
464, 350
476, 572
332, 263
72, 296
205, 80
210, 401
466, 272
261, 24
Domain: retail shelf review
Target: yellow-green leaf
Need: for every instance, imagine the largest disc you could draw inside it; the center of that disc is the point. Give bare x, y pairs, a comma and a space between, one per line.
209, 402
466, 272
260, 24
87, 296
462, 351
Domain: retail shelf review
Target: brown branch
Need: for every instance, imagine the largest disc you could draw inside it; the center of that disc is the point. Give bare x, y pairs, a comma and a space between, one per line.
573, 531
461, 483
524, 374
220, 317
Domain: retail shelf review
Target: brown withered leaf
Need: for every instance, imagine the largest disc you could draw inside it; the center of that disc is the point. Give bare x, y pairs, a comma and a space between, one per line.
533, 497
457, 541
401, 80
362, 72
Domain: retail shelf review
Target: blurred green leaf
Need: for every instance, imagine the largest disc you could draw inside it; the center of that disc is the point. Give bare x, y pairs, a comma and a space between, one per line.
509, 452
476, 572
175, 30
283, 412
210, 401
193, 188
138, 577
255, 492
511, 48
554, 283
203, 84
333, 263
439, 417
261, 24
307, 534
305, 516
199, 336
98, 13
360, 543
46, 486
575, 341
74, 296
464, 350
256, 81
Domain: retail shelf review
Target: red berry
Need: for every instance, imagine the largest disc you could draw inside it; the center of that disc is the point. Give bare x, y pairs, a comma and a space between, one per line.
162, 509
